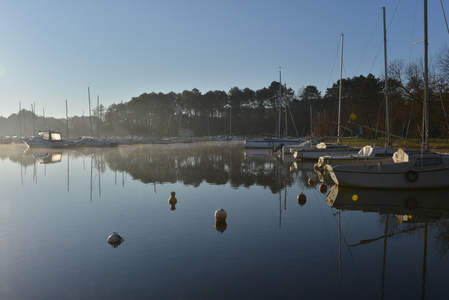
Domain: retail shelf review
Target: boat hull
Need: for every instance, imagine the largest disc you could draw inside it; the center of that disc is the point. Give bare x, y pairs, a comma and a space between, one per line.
389, 176
32, 144
271, 143
316, 153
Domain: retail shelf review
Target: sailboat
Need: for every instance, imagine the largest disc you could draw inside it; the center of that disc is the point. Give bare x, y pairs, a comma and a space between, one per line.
368, 153
409, 169
327, 148
271, 143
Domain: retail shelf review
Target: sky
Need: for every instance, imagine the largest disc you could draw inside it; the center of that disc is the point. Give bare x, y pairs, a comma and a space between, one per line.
54, 50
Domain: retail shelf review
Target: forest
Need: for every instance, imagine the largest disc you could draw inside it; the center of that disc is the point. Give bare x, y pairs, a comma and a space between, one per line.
248, 112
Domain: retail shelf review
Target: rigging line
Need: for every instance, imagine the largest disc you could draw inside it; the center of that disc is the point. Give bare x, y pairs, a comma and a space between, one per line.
394, 13
367, 44
413, 30
444, 14
375, 58
335, 59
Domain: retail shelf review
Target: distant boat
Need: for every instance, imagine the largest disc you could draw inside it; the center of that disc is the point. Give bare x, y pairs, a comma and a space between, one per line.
47, 139
268, 143
278, 142
88, 141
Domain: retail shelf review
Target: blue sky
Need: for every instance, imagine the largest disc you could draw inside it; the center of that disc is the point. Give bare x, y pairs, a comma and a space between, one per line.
53, 50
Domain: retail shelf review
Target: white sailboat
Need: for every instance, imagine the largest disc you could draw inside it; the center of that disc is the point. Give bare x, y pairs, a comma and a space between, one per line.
409, 170
327, 148
368, 154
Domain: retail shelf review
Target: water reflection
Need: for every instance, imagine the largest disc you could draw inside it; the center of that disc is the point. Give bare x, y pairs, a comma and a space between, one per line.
409, 206
191, 164
45, 156
423, 214
221, 226
295, 237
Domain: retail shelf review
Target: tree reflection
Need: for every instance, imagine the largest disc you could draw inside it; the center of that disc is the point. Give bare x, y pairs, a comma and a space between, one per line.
217, 163
214, 163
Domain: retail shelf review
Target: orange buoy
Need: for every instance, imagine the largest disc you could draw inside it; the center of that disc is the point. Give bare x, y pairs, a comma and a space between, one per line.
220, 215
323, 188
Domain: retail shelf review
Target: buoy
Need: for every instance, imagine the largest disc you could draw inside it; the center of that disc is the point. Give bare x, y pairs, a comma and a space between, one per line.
323, 188
172, 201
301, 199
220, 215
312, 181
114, 239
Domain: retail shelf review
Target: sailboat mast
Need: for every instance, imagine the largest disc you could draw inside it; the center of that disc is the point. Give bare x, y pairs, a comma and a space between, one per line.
67, 117
387, 118
426, 81
280, 101
339, 90
20, 120
99, 115
90, 112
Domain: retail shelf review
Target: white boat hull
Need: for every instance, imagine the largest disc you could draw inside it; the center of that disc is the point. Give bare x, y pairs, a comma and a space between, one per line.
403, 175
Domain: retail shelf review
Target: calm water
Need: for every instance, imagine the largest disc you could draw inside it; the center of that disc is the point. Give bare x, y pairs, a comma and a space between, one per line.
55, 218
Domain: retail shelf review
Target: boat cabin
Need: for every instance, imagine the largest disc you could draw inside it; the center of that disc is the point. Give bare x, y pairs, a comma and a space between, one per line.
47, 135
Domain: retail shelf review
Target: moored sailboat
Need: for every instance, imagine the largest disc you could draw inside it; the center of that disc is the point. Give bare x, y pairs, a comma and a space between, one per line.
367, 154
328, 148
411, 170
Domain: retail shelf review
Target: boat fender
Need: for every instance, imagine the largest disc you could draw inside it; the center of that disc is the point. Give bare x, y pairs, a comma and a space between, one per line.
411, 176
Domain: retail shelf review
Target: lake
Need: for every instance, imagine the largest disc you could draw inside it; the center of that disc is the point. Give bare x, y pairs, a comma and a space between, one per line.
58, 207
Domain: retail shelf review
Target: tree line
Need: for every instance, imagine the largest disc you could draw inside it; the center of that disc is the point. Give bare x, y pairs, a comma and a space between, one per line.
250, 112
